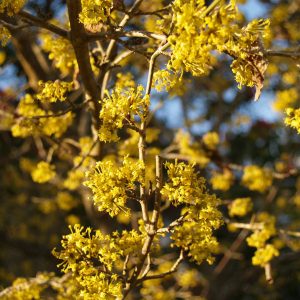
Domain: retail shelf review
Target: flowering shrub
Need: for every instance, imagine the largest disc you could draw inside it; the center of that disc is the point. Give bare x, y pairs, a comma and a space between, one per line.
129, 197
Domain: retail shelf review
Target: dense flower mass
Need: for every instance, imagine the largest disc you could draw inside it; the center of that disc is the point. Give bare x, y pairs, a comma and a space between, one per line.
112, 185
121, 107
195, 234
199, 30
94, 11
92, 258
11, 7
184, 186
126, 113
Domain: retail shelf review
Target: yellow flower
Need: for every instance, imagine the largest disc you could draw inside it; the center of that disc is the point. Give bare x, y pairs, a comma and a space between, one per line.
256, 178
31, 124
120, 107
293, 118
285, 99
53, 91
195, 234
200, 31
113, 185
188, 278
259, 237
60, 51
11, 7
43, 172
94, 11
240, 207
66, 201
222, 181
211, 140
193, 150
263, 255
4, 35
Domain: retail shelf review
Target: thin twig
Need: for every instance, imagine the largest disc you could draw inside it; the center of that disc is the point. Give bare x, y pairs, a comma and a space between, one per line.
162, 275
268, 273
175, 223
283, 53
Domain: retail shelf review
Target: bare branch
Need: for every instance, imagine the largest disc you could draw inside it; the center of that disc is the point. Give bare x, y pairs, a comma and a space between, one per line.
28, 18
80, 45
284, 53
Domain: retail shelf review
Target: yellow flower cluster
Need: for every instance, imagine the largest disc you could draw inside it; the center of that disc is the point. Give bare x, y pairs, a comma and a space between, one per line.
81, 163
293, 118
4, 35
11, 7
164, 80
80, 248
2, 55
26, 164
280, 20
169, 81
43, 172
199, 30
191, 52
122, 106
265, 252
264, 255
184, 185
192, 150
257, 179
66, 201
222, 181
86, 144
285, 99
53, 91
188, 278
250, 63
211, 140
94, 11
195, 234
113, 185
27, 289
129, 146
33, 122
73, 180
124, 81
240, 207
92, 257
60, 51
